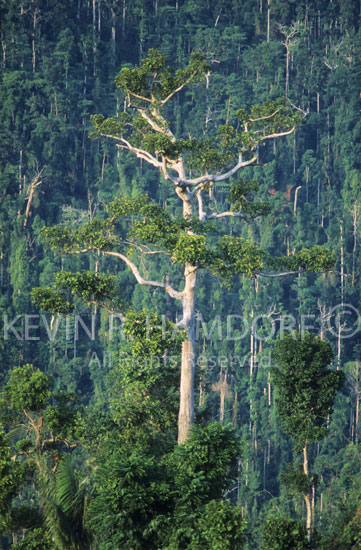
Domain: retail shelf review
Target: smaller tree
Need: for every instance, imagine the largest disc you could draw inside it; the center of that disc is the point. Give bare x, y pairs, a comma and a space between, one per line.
305, 393
42, 424
283, 534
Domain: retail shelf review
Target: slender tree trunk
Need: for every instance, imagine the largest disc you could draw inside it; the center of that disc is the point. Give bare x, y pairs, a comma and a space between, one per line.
235, 409
268, 19
355, 214
287, 70
186, 398
186, 403
307, 497
357, 413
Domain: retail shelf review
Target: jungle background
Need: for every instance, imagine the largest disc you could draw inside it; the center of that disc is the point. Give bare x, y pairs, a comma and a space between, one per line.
83, 407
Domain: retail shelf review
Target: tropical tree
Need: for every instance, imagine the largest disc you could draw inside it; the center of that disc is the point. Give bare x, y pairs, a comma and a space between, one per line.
192, 167
283, 534
305, 392
42, 424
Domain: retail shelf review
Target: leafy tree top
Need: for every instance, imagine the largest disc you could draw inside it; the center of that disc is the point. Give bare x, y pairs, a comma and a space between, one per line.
305, 386
144, 130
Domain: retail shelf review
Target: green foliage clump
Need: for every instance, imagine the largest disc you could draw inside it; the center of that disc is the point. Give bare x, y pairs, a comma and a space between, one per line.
86, 285
10, 476
220, 527
50, 299
172, 501
154, 80
238, 255
149, 334
192, 249
28, 388
283, 534
295, 479
94, 235
305, 387
206, 463
316, 258
240, 202
36, 539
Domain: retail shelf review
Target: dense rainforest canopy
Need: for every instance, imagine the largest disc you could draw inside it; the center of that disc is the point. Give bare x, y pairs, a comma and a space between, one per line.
150, 147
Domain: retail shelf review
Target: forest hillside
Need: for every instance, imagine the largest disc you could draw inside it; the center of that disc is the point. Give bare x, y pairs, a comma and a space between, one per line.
180, 211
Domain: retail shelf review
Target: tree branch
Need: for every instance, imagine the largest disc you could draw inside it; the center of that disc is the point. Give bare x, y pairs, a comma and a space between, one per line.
215, 177
154, 125
201, 213
138, 97
148, 251
228, 214
171, 291
285, 273
281, 134
264, 117
140, 153
179, 89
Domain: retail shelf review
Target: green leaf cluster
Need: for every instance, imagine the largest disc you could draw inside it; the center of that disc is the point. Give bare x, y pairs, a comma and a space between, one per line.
305, 387
283, 534
149, 334
10, 475
86, 285
154, 80
27, 388
240, 202
295, 479
192, 249
316, 258
238, 255
51, 299
94, 235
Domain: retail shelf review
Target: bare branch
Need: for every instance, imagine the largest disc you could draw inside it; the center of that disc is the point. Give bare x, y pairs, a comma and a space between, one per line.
265, 117
285, 273
228, 214
148, 251
34, 184
153, 124
215, 177
281, 134
201, 213
139, 97
82, 251
139, 153
179, 89
171, 291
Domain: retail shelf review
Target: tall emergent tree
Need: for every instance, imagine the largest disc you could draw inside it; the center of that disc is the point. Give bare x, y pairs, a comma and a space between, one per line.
305, 392
192, 167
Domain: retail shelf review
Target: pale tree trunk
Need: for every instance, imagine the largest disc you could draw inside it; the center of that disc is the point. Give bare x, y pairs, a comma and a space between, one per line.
186, 402
186, 398
342, 283
357, 413
287, 70
94, 39
295, 200
307, 497
235, 409
268, 19
355, 215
